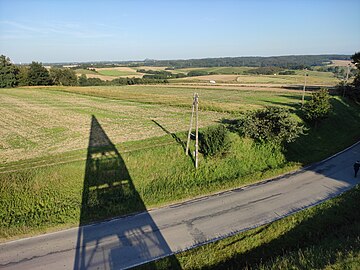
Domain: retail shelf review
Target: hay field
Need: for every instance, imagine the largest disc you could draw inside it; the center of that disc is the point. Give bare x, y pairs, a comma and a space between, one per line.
37, 122
101, 77
119, 72
219, 70
341, 63
315, 78
215, 77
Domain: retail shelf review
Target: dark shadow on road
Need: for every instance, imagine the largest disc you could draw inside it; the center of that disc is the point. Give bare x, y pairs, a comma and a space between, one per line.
177, 139
108, 191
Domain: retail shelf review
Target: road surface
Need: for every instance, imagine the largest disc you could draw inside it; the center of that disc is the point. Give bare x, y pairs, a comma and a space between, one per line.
129, 241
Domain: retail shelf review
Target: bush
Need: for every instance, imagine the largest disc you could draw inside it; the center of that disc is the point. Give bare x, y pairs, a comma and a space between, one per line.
214, 140
193, 73
318, 107
272, 124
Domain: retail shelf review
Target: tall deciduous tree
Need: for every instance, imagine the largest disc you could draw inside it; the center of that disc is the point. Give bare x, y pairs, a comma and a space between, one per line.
356, 60
63, 76
38, 75
8, 73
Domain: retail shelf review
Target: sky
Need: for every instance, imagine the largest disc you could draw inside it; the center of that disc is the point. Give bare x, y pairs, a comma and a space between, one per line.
109, 30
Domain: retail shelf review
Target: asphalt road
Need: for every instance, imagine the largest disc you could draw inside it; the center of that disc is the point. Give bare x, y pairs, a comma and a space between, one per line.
126, 242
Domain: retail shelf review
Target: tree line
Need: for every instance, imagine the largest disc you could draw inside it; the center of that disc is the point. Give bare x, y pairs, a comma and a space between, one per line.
287, 62
36, 74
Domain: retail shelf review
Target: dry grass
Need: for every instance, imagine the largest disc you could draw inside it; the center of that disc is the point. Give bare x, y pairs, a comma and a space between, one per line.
101, 77
315, 78
216, 77
36, 122
151, 68
341, 63
126, 69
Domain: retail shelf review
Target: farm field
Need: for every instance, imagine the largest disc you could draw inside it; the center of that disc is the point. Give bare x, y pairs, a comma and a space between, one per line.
119, 72
216, 98
314, 78
228, 75
219, 70
45, 121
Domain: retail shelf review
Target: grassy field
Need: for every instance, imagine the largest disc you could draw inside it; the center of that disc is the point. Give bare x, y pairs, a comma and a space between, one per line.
38, 122
118, 73
84, 71
218, 70
45, 135
219, 99
326, 236
314, 78
230, 75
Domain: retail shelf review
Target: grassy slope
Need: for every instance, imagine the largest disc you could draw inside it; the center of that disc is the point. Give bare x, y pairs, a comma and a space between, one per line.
160, 174
326, 236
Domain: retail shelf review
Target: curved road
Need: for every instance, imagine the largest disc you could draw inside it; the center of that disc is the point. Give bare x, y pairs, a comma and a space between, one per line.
129, 241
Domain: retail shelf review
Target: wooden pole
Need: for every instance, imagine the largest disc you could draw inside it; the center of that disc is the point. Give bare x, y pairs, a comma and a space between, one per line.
346, 79
191, 120
197, 131
303, 94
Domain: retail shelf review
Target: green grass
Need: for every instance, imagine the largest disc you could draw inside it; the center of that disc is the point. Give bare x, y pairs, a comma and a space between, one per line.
116, 73
35, 197
47, 121
46, 133
313, 78
221, 99
84, 71
218, 70
326, 236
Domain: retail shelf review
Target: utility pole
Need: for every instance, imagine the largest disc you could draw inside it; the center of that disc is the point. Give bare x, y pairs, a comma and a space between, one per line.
195, 108
196, 131
346, 79
304, 88
191, 120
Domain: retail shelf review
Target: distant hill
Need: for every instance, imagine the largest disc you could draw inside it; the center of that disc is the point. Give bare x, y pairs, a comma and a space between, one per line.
289, 61
286, 61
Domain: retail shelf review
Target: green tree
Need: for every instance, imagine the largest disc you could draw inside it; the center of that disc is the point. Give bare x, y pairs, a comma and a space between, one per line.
63, 76
271, 124
83, 80
356, 60
318, 107
38, 75
8, 73
23, 75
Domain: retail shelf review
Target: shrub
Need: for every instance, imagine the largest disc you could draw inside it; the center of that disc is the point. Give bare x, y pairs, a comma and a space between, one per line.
318, 107
214, 140
272, 124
